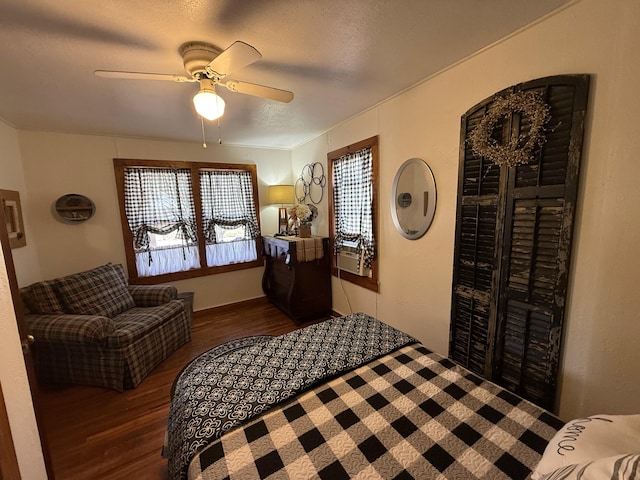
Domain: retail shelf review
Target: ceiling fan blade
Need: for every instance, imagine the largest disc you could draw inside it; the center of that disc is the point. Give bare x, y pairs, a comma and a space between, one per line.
259, 90
238, 55
143, 76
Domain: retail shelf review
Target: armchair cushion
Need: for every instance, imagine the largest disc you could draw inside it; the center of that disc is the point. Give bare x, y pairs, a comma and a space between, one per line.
152, 295
70, 328
41, 298
137, 322
100, 291
119, 269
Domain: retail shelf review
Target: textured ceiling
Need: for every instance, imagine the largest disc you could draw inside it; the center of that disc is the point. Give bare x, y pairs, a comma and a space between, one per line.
339, 57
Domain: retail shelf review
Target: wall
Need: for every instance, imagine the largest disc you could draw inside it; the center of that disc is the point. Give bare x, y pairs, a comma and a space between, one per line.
601, 360
13, 375
56, 164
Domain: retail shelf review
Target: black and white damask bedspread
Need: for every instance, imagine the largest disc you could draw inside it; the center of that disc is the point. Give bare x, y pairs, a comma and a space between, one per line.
410, 414
213, 395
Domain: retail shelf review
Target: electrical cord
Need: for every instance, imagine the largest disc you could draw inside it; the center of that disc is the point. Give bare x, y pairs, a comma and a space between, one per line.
344, 291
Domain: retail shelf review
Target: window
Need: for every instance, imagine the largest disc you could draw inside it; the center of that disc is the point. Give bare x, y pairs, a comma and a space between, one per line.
353, 180
185, 219
229, 216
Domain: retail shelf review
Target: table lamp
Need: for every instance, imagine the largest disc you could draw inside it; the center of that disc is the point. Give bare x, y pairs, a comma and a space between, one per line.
283, 195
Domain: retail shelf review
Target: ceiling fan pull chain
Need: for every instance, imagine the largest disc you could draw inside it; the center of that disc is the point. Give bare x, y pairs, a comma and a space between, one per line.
204, 141
219, 133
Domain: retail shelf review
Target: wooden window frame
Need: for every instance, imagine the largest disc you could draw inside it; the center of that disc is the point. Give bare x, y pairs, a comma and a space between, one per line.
370, 283
119, 165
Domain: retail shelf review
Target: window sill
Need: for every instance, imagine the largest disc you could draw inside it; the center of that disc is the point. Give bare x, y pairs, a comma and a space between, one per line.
199, 272
364, 282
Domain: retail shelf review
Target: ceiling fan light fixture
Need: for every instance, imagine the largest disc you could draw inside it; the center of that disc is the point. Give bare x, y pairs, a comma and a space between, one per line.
208, 104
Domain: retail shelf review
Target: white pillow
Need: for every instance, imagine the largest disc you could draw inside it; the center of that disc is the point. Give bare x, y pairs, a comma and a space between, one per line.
586, 439
620, 467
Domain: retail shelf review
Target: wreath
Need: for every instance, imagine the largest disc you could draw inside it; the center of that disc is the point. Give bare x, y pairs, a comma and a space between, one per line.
519, 150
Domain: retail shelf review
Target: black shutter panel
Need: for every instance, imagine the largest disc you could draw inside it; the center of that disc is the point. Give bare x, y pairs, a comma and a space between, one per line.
534, 210
472, 294
473, 303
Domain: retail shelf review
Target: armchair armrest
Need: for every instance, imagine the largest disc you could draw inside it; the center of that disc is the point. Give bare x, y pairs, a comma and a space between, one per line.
69, 328
152, 295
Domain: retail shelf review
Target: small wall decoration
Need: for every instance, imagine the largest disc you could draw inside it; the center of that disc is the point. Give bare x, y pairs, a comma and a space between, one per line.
311, 183
13, 217
74, 208
519, 149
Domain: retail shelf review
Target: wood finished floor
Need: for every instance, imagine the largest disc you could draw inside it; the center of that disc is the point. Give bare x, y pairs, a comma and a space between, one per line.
96, 433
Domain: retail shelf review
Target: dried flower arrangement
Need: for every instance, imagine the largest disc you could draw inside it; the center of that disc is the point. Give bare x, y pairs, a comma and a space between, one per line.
303, 213
519, 150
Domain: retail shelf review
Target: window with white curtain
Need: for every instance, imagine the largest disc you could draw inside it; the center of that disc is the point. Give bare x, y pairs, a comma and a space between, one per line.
165, 238
229, 217
160, 212
353, 206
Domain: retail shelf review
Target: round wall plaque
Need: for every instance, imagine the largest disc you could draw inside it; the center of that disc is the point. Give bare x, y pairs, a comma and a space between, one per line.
75, 208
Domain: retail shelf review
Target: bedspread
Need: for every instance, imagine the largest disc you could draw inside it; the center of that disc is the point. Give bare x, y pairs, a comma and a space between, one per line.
214, 395
408, 414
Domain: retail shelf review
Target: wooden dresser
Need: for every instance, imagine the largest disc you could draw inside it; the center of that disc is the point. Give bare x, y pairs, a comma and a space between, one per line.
297, 277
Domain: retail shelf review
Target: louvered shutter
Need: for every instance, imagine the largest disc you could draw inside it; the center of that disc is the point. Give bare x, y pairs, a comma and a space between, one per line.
513, 245
473, 307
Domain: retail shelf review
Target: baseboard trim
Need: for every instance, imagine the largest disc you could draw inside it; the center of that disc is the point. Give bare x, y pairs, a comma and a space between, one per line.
230, 306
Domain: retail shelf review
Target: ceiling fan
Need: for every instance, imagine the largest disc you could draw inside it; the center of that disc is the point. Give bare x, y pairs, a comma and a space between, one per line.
210, 66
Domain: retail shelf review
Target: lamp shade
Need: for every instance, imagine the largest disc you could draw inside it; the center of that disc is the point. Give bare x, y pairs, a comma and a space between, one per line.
208, 104
282, 194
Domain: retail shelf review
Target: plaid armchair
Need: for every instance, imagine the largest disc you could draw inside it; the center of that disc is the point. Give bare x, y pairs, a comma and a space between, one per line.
91, 328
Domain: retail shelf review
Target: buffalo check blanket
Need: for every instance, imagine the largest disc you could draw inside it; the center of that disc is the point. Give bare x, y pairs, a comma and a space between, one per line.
216, 393
408, 413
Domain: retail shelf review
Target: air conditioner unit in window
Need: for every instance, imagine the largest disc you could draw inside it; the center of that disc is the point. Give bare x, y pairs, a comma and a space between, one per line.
351, 259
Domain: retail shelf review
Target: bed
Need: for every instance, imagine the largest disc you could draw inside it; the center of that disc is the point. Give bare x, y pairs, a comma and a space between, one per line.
350, 397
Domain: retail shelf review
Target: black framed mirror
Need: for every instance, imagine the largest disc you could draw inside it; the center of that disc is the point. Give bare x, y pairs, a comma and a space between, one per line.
413, 198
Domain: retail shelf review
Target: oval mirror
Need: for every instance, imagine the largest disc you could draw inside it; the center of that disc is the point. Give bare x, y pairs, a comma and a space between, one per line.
413, 198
